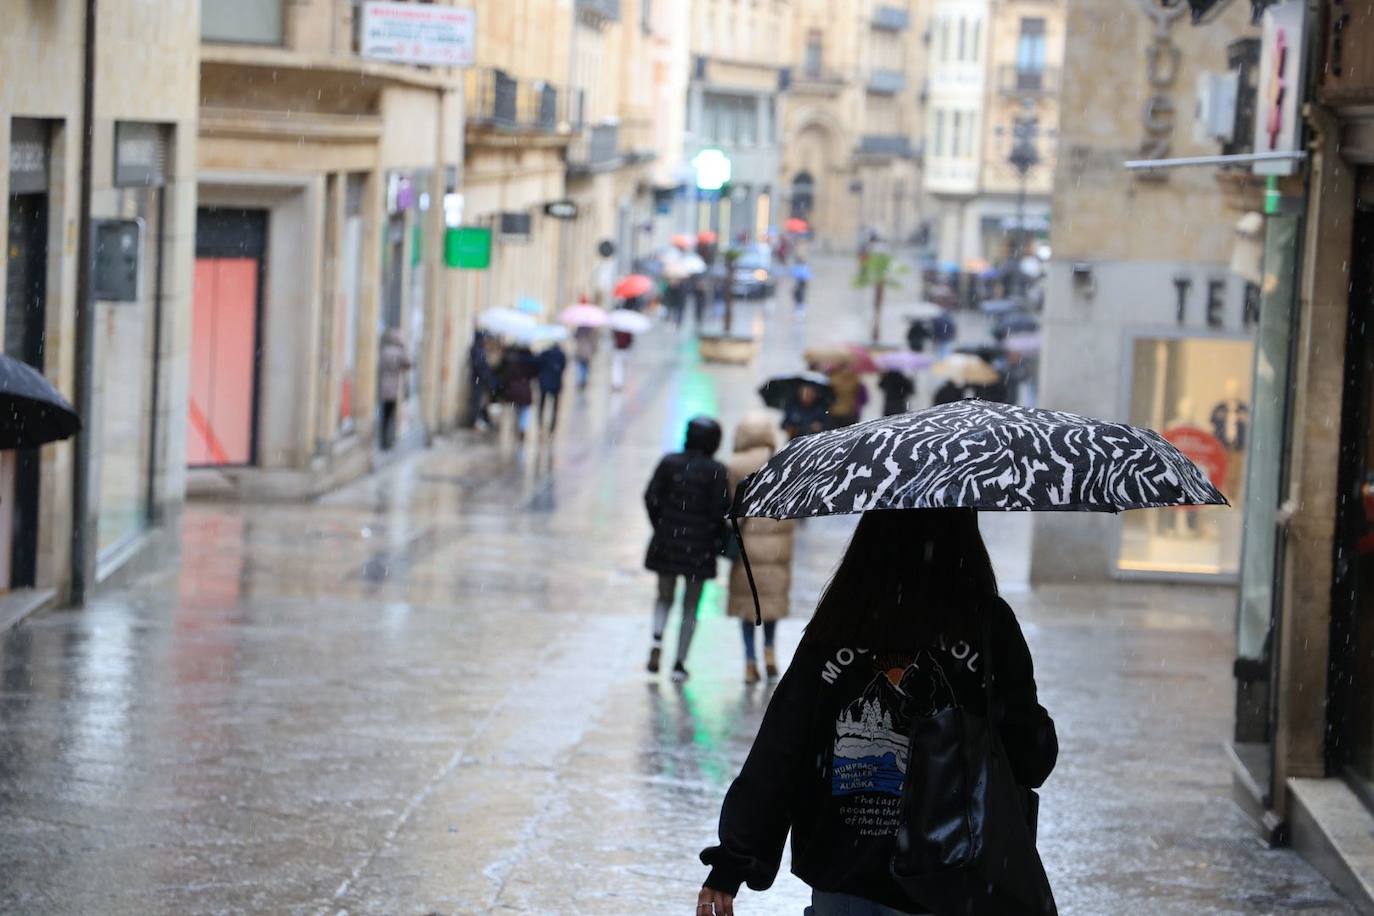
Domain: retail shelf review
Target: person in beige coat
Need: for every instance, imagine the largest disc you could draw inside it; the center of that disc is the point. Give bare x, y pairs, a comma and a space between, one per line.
769, 543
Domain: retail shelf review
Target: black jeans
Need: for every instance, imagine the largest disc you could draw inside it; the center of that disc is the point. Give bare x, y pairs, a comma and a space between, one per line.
544, 398
388, 425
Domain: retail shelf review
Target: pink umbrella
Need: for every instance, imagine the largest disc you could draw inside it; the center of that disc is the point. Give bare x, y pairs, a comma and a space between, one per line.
860, 360
907, 361
583, 315
1024, 344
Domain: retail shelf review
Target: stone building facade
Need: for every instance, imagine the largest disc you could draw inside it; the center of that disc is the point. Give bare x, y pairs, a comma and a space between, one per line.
739, 51
142, 172
853, 119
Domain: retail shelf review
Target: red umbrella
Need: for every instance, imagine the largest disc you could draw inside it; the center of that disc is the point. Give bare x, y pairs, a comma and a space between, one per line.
796, 224
683, 241
632, 286
860, 360
707, 237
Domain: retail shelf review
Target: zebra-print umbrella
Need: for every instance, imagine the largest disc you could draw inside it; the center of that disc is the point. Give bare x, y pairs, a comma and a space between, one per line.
979, 455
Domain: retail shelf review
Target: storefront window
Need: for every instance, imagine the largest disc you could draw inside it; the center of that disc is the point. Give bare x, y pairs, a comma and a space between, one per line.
1196, 391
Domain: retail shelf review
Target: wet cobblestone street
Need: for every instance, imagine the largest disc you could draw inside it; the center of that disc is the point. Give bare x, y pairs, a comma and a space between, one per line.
425, 693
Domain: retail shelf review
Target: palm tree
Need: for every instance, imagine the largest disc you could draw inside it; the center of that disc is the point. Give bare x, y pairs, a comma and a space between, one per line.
731, 256
879, 270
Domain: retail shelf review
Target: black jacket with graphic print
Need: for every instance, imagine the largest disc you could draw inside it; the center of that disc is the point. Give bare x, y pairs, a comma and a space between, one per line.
828, 760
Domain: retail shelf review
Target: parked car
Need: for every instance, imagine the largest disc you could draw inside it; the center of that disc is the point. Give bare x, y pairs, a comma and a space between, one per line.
753, 277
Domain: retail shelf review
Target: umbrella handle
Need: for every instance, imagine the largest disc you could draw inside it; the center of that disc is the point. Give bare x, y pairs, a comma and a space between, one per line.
748, 571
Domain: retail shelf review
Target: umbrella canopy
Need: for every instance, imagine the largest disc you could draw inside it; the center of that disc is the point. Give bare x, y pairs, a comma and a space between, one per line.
32, 411
783, 390
860, 360
827, 356
631, 286
923, 311
683, 241
505, 322
977, 455
1022, 343
629, 321
707, 237
796, 224
998, 306
539, 334
908, 361
584, 315
966, 369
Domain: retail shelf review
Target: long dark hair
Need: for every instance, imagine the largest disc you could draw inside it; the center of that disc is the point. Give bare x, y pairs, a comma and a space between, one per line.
907, 576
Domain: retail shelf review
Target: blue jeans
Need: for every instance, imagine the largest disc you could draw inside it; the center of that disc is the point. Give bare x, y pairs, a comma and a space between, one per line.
747, 628
827, 904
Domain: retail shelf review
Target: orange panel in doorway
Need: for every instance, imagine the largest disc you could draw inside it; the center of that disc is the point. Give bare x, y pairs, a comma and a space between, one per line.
223, 338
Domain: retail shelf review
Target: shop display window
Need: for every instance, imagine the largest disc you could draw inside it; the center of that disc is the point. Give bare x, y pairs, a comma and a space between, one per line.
1196, 391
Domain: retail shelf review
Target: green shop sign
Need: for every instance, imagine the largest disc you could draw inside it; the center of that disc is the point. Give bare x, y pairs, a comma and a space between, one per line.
468, 247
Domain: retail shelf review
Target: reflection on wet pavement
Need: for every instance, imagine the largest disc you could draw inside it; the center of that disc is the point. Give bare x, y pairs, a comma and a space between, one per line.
424, 694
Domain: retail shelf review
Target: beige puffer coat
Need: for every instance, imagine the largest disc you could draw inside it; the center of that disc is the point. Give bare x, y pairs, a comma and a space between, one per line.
769, 542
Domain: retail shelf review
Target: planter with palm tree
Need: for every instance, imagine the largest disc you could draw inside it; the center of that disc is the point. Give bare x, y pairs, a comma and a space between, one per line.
728, 347
881, 272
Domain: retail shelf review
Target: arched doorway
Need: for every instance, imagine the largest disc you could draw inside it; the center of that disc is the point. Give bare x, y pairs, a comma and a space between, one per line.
803, 195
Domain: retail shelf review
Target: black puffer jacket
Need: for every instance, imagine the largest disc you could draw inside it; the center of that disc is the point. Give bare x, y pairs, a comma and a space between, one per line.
687, 500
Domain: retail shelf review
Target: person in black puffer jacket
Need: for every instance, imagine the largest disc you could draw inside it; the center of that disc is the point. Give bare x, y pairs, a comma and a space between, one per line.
687, 500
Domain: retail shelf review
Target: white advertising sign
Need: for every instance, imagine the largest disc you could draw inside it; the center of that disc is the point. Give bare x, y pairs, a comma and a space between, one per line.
1278, 107
419, 33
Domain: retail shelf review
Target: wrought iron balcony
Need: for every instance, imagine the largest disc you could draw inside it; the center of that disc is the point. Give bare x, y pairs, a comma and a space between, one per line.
891, 18
1014, 79
498, 100
886, 82
595, 150
599, 10
891, 145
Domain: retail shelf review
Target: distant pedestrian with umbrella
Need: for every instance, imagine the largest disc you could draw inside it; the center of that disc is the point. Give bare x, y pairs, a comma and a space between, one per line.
585, 341
624, 324
897, 388
549, 367
803, 398
393, 362
482, 383
851, 396
687, 500
770, 552
801, 278
902, 745
518, 372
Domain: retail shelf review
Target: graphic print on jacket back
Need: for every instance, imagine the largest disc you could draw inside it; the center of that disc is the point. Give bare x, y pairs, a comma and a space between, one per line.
869, 760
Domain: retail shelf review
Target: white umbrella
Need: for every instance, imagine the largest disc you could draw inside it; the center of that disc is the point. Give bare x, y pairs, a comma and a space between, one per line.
506, 322
539, 335
923, 311
631, 322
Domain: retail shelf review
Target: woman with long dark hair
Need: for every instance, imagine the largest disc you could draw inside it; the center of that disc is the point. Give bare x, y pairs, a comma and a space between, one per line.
903, 623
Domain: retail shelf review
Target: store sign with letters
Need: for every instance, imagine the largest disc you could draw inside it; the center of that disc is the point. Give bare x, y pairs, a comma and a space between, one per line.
419, 33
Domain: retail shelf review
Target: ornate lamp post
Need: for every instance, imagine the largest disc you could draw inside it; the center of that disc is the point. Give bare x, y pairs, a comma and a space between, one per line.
1024, 157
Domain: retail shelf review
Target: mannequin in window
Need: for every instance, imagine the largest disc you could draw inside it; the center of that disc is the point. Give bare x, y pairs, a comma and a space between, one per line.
1231, 425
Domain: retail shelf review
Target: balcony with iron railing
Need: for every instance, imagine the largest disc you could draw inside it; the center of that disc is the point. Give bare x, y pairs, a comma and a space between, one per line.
499, 101
886, 82
886, 145
891, 18
1015, 79
599, 10
596, 149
